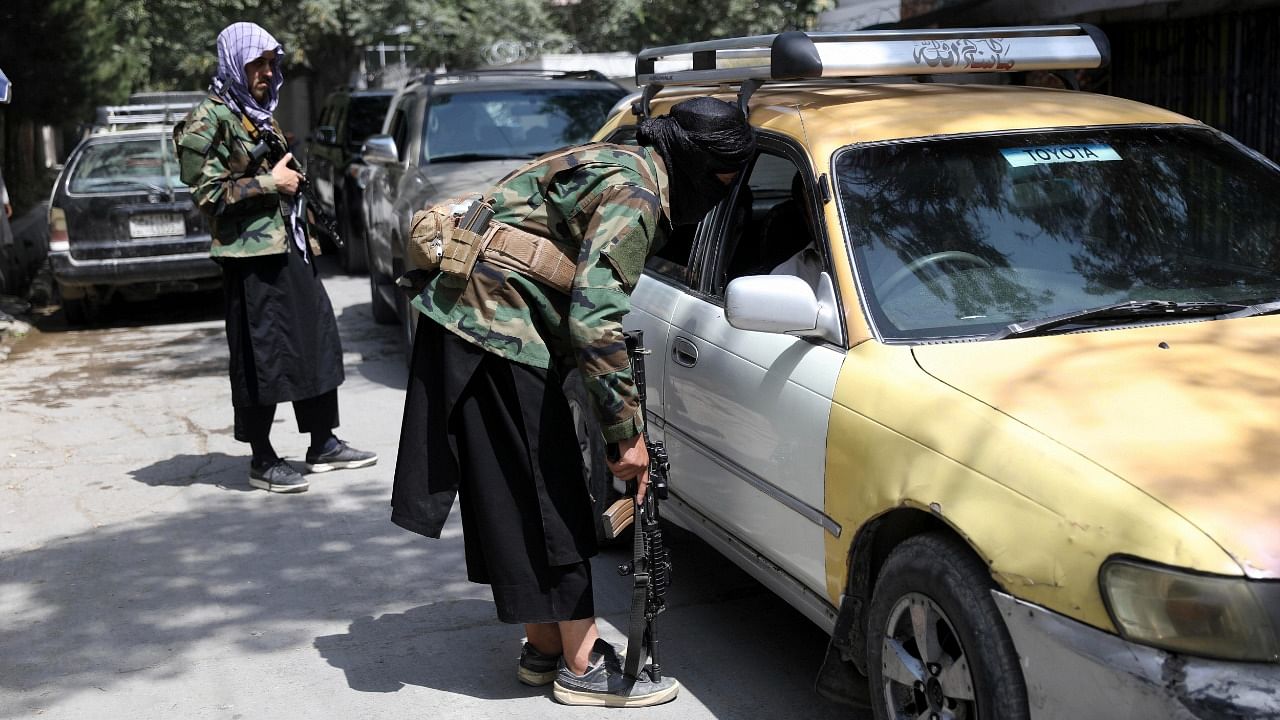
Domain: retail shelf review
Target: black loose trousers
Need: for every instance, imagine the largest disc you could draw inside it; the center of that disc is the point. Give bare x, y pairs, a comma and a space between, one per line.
500, 436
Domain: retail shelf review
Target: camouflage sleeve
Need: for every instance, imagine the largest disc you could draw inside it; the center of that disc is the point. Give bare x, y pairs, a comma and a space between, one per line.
614, 248
206, 159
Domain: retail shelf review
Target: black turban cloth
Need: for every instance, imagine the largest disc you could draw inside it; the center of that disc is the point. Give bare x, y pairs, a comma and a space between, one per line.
699, 138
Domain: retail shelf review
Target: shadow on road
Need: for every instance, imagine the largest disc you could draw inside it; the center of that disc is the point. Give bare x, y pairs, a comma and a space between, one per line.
163, 310
732, 644
250, 574
433, 646
217, 469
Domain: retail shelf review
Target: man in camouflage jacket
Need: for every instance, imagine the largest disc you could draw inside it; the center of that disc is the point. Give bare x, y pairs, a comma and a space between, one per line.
281, 332
484, 415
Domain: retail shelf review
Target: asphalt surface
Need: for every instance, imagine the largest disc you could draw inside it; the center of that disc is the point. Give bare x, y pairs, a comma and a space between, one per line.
142, 577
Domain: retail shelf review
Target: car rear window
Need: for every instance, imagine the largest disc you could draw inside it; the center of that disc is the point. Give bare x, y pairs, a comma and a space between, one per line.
962, 236
116, 166
513, 123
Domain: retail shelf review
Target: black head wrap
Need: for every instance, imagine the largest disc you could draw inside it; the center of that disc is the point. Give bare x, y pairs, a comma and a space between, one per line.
698, 139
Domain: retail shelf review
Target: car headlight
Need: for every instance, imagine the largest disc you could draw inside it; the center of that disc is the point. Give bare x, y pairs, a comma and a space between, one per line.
1204, 615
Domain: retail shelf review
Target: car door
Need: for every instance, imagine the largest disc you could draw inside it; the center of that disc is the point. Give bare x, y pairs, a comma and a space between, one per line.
667, 278
746, 412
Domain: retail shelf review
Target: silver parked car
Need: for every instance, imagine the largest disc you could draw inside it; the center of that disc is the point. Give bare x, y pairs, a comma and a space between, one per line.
456, 134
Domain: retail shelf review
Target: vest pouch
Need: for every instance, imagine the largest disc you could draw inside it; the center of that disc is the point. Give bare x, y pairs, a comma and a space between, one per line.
429, 231
461, 253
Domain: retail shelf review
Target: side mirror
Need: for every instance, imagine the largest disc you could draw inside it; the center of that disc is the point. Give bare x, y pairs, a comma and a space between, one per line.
326, 135
783, 304
380, 149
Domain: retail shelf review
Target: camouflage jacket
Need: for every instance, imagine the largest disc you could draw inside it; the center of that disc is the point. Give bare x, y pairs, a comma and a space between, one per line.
246, 213
607, 202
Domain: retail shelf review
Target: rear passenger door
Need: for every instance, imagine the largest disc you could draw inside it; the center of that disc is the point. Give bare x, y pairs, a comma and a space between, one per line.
746, 412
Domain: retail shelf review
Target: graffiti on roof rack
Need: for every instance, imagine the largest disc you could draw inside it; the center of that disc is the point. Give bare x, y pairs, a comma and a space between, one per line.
982, 54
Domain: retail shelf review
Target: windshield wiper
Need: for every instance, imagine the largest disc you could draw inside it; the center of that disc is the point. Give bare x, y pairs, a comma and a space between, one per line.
138, 183
1116, 312
472, 157
1266, 308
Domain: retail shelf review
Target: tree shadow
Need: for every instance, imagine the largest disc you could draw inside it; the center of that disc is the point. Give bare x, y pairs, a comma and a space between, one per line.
251, 574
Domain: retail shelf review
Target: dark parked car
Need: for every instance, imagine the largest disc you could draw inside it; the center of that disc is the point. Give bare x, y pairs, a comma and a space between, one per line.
334, 163
458, 133
120, 220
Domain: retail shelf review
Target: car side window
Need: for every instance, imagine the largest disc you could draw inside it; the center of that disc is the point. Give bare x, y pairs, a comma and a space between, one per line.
770, 228
399, 129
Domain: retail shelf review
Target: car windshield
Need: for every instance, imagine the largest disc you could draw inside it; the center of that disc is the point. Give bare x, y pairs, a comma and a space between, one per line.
364, 117
964, 236
513, 123
116, 166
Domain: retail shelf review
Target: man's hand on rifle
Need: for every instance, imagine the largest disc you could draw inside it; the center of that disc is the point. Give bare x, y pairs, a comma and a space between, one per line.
632, 464
287, 179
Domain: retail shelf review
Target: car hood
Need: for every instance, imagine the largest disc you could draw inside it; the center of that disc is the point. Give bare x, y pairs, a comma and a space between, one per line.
453, 179
1188, 413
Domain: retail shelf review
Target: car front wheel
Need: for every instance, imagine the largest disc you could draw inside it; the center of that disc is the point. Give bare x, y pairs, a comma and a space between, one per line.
938, 648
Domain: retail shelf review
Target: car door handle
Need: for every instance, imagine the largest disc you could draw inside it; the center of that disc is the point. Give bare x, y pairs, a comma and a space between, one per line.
684, 352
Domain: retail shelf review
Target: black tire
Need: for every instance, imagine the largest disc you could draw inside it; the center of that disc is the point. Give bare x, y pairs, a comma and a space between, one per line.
408, 325
76, 311
972, 671
352, 252
383, 312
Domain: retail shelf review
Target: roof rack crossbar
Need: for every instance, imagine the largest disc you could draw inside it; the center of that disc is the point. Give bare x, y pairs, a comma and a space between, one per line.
873, 53
148, 114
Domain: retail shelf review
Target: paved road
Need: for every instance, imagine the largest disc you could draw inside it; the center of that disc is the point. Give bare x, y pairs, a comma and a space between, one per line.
142, 577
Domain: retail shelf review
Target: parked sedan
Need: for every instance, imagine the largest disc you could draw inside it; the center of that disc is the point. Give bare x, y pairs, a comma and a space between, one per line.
980, 378
456, 134
122, 223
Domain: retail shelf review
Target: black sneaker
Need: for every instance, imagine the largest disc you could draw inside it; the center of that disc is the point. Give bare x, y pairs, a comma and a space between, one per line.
341, 457
604, 685
278, 476
537, 669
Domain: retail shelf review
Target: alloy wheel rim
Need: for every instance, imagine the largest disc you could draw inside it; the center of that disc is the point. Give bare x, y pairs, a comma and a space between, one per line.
924, 668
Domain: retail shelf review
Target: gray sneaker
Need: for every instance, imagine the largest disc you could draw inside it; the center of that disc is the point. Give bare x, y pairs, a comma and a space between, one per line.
278, 477
537, 669
604, 685
341, 457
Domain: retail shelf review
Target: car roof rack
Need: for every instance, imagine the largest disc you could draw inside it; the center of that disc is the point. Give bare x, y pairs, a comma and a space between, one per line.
120, 117
794, 55
454, 75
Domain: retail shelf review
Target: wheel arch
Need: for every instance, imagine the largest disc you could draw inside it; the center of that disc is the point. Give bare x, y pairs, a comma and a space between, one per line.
868, 552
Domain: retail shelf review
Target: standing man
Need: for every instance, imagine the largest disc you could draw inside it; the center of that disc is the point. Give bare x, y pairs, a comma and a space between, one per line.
280, 326
485, 417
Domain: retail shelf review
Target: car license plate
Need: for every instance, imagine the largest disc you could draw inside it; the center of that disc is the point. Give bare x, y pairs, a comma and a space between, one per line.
156, 225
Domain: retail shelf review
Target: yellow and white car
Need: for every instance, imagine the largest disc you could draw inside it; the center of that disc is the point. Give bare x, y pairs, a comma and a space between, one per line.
981, 378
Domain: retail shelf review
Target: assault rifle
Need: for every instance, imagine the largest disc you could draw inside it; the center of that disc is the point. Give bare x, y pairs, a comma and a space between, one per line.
651, 562
271, 148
